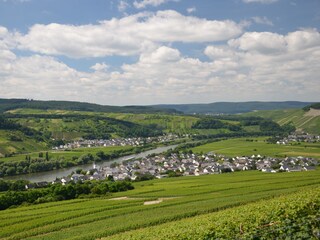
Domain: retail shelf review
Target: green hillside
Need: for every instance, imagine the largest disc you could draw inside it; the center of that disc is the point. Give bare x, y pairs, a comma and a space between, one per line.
20, 143
64, 124
197, 203
306, 121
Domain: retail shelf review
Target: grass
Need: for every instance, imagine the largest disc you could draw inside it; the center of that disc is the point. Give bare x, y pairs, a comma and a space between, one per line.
241, 147
183, 198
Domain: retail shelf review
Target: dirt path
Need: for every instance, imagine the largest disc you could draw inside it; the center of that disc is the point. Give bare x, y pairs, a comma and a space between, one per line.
159, 200
152, 202
313, 112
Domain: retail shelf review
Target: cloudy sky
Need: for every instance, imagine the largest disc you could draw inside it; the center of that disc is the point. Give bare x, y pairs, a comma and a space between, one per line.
124, 52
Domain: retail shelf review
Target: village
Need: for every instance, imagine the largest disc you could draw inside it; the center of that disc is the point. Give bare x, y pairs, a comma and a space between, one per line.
189, 164
297, 137
82, 143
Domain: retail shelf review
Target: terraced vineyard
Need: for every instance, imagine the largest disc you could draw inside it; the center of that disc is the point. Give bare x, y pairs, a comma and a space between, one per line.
173, 202
307, 121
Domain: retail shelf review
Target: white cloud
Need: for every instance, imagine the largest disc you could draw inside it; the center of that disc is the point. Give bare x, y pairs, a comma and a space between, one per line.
123, 5
260, 1
218, 52
100, 67
263, 42
269, 43
262, 20
191, 9
254, 66
303, 39
126, 36
154, 3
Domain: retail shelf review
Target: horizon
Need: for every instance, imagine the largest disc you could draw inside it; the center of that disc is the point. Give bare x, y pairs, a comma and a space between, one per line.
159, 52
159, 104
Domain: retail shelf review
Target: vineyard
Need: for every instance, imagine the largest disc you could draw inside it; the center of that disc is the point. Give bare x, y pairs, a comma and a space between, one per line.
306, 121
202, 206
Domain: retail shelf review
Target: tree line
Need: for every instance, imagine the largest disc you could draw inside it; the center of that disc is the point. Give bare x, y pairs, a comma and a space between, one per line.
59, 192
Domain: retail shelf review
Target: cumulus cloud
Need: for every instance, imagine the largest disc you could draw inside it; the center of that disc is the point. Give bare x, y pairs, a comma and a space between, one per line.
125, 36
263, 42
267, 42
247, 67
260, 1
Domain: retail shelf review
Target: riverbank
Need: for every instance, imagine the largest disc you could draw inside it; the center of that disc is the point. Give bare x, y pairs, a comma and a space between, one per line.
58, 173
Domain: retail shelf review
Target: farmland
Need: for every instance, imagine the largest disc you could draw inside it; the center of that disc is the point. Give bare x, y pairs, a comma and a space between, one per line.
178, 199
243, 147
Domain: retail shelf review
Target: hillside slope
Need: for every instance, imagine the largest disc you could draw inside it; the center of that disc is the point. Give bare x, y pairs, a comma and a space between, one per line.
305, 121
9, 104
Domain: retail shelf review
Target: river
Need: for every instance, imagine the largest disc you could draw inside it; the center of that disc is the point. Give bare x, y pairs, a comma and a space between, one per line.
58, 173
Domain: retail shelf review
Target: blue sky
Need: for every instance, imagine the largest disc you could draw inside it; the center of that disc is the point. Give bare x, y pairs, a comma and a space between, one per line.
123, 52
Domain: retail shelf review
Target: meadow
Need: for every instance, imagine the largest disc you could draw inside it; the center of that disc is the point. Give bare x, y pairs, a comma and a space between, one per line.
175, 200
243, 147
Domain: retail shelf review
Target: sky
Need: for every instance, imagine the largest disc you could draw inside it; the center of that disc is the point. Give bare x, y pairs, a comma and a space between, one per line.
144, 52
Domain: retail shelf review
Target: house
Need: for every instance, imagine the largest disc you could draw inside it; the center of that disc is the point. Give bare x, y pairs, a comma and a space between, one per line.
268, 170
77, 177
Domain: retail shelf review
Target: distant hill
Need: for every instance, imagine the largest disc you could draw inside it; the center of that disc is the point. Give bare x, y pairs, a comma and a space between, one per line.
10, 104
232, 107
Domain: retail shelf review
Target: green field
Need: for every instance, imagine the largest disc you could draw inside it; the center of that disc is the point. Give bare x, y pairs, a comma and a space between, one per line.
241, 147
179, 199
298, 117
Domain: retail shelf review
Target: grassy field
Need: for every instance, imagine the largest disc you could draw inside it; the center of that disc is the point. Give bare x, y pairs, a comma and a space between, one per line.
300, 119
241, 147
177, 198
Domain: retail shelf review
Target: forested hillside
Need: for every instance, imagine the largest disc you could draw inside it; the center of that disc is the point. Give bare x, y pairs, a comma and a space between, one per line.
9, 104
